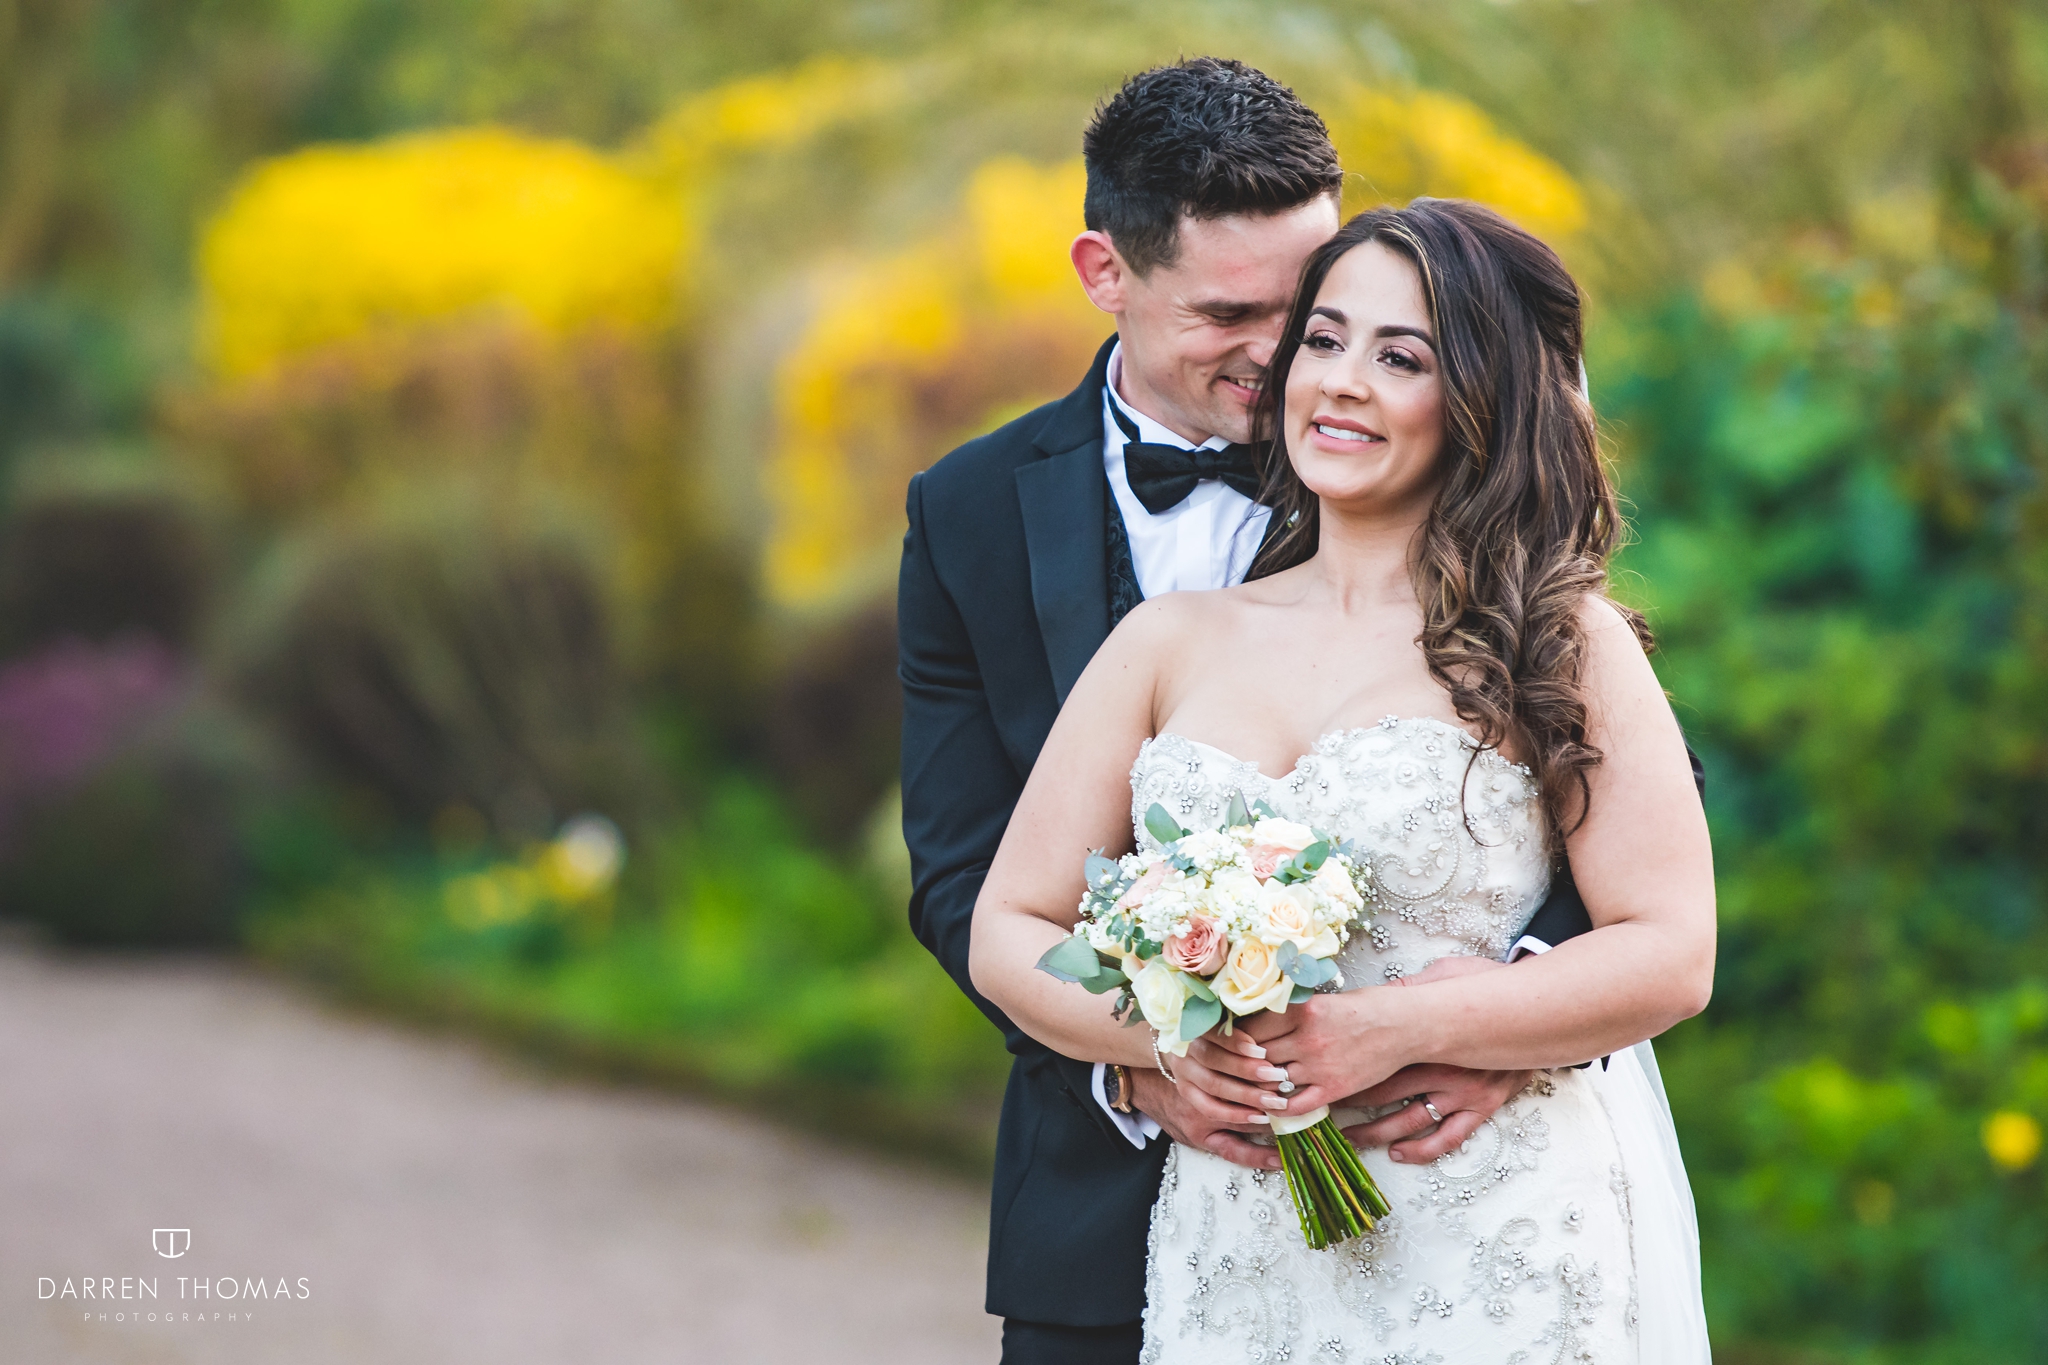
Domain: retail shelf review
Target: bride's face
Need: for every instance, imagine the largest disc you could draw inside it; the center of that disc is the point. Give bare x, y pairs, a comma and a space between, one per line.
1365, 413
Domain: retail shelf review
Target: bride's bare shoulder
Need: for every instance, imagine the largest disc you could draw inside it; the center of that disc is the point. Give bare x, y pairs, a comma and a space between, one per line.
1616, 673
1179, 616
1159, 628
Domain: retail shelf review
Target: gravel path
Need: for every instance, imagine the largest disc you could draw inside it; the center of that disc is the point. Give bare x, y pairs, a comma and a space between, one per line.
438, 1204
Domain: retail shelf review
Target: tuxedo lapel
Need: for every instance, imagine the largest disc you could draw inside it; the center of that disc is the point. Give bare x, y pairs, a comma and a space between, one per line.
1065, 501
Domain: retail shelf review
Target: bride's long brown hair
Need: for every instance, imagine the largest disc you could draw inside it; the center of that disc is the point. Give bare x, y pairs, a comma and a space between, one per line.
1525, 517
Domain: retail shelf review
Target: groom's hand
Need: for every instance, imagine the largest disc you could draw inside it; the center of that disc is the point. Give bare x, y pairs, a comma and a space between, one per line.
1193, 1117
1465, 1098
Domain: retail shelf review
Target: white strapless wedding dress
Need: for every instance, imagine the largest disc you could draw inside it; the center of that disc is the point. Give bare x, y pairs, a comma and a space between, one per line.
1563, 1231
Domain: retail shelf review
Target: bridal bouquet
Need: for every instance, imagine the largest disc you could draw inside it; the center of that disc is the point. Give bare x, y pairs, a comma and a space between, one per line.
1215, 925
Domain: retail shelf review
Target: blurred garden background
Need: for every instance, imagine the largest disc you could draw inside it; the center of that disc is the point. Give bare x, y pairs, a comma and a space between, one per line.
451, 471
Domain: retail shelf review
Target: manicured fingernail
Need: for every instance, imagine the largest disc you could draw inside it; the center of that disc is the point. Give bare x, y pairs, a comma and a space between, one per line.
1272, 1101
1258, 1051
1260, 1118
1272, 1073
1393, 1155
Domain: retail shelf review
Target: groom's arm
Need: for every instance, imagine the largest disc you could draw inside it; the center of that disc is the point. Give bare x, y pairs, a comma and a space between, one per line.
959, 785
959, 788
1563, 913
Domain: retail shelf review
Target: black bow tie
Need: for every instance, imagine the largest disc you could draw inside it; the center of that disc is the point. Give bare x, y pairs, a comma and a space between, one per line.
1162, 476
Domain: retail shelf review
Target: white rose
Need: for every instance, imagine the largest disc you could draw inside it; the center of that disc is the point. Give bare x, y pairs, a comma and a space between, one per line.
1161, 994
1334, 881
1285, 834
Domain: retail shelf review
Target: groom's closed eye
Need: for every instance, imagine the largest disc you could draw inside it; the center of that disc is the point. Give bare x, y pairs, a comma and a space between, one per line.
1229, 314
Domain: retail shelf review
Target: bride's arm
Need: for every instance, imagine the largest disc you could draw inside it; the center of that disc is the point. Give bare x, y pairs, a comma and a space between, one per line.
1643, 863
1078, 799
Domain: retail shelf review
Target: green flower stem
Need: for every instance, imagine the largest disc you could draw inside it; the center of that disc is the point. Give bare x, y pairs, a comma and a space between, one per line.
1335, 1198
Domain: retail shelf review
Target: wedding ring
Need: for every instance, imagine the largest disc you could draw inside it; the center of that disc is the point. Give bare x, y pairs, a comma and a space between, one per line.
1431, 1110
1285, 1087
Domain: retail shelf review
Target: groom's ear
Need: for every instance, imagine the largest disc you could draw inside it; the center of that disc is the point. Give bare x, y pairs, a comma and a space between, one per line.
1104, 273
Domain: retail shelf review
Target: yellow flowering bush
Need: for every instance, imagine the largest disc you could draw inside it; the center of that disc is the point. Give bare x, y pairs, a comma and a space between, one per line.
771, 112
1398, 146
911, 353
332, 242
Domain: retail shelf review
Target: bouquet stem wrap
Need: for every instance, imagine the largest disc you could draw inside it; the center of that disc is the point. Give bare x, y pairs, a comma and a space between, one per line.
1334, 1196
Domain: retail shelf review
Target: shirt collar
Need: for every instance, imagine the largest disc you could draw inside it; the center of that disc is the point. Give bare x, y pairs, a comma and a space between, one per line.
1150, 431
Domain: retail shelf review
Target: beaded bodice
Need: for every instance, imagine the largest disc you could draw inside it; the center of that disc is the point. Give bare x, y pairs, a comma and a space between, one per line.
1454, 834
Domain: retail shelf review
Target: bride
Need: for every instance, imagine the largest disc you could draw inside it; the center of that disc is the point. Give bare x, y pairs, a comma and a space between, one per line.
1426, 662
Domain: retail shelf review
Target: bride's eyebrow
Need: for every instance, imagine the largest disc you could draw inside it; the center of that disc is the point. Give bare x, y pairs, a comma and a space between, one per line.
1392, 329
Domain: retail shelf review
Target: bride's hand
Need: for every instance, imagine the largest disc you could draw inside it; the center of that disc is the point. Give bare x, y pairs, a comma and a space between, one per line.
1332, 1046
1226, 1074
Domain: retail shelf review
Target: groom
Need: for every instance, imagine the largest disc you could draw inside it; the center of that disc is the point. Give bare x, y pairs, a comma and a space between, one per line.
1208, 186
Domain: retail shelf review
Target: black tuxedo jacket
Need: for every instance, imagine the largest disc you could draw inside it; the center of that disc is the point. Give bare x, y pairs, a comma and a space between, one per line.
1003, 599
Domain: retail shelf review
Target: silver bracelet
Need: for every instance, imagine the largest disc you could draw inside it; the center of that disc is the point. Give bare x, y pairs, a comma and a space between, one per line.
1160, 1058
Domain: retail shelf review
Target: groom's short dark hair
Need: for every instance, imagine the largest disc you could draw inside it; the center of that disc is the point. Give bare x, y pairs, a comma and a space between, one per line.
1202, 138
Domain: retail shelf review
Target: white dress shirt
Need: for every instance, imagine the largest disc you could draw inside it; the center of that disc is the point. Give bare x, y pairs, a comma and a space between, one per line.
1207, 540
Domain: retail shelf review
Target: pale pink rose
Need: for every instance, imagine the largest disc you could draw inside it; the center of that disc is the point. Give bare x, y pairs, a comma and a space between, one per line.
1143, 887
1274, 842
1199, 948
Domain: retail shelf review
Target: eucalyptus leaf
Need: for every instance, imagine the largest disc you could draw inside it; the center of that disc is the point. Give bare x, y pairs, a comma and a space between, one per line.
1072, 959
1263, 810
1311, 858
1101, 872
1299, 994
1287, 957
1312, 971
1198, 1016
1108, 979
1200, 988
1239, 814
1162, 826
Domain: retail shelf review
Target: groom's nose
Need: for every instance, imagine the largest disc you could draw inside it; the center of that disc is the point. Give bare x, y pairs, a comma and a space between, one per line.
1260, 351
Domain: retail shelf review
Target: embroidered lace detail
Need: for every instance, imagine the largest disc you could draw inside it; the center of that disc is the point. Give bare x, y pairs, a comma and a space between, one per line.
1488, 1257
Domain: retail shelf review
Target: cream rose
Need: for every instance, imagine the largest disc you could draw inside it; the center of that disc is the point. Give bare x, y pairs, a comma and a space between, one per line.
1288, 915
1275, 841
1199, 947
1160, 994
1250, 980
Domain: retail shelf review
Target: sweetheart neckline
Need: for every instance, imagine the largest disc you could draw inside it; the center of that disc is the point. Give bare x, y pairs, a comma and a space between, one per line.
1465, 737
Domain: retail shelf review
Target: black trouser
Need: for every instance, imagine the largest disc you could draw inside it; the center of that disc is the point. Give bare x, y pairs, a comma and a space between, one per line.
1047, 1343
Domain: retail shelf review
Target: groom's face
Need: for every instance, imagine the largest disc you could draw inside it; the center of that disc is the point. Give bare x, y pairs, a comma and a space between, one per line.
1199, 333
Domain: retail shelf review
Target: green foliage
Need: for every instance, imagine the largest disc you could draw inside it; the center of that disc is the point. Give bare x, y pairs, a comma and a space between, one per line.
737, 960
1838, 485
443, 658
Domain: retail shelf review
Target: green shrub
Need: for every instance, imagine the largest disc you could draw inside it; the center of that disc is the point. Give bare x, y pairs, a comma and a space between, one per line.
733, 958
443, 658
